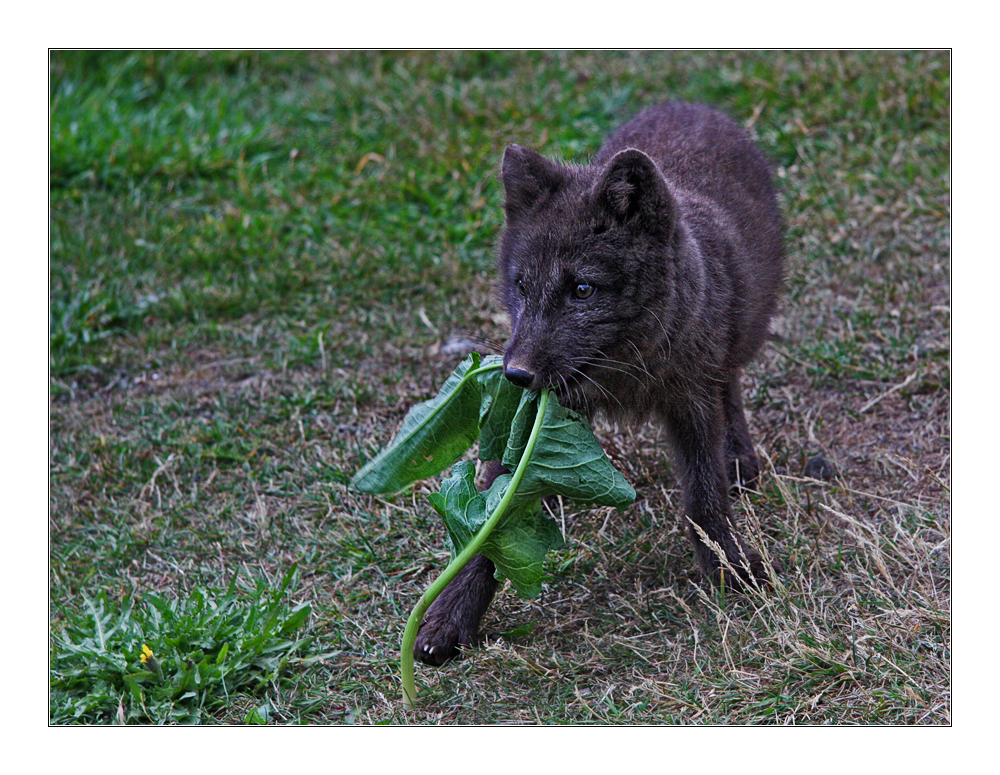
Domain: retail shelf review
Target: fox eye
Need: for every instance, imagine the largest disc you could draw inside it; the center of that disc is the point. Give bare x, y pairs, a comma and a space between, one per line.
520, 288
583, 291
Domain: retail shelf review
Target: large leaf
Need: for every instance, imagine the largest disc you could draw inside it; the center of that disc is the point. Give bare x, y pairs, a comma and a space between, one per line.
519, 542
477, 402
567, 459
520, 428
554, 452
525, 535
501, 399
461, 506
434, 435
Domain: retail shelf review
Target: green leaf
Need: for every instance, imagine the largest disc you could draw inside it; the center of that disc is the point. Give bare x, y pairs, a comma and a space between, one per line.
552, 453
297, 619
501, 399
567, 459
518, 543
477, 401
258, 715
461, 506
434, 435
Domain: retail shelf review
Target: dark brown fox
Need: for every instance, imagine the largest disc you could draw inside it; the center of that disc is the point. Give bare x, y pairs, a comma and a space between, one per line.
638, 288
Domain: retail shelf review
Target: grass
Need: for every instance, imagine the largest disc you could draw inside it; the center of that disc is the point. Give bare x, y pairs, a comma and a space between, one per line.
259, 261
210, 649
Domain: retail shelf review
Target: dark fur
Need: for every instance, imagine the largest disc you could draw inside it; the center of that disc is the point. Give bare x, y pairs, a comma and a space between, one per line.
639, 287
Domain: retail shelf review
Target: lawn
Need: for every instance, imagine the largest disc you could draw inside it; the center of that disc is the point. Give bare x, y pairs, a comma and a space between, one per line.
260, 261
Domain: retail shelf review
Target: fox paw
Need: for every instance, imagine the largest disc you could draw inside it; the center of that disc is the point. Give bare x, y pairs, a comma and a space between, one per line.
440, 639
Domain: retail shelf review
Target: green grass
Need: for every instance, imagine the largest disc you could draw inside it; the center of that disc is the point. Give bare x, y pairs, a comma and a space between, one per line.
175, 659
258, 261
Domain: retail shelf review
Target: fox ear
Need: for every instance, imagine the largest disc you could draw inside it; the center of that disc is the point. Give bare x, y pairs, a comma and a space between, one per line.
527, 178
632, 189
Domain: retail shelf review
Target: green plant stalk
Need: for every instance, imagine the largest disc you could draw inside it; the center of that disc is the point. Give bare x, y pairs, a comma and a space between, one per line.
435, 589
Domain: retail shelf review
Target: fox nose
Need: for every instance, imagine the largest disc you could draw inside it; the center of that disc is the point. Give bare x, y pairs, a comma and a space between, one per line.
519, 377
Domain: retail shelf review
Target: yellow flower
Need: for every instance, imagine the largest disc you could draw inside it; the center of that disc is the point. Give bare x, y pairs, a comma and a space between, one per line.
147, 659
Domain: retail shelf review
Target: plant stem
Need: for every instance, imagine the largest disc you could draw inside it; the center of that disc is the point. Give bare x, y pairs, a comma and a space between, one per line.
471, 549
